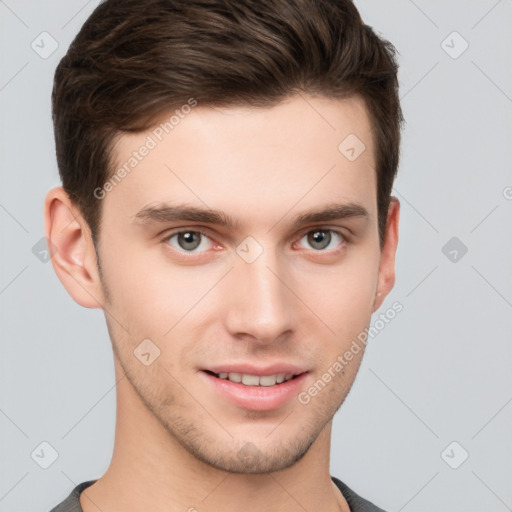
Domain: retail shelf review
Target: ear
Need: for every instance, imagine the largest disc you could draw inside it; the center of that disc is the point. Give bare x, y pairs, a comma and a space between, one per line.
72, 250
387, 258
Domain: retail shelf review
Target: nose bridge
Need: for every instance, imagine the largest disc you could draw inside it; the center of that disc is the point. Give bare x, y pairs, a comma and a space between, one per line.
260, 301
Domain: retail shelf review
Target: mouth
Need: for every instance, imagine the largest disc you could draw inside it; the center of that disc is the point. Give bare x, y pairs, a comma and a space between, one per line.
255, 392
255, 380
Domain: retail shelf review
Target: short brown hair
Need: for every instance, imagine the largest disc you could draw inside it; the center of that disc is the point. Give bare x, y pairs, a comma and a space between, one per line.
134, 60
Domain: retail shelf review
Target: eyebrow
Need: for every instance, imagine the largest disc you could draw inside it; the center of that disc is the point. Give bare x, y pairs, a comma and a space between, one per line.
163, 212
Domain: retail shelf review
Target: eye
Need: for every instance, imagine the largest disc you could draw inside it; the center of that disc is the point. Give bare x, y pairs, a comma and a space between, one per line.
189, 241
321, 239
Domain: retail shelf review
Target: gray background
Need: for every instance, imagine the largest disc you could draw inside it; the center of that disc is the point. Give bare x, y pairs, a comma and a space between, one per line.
439, 372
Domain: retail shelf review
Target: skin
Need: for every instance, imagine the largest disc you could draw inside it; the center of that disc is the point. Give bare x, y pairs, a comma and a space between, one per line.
177, 440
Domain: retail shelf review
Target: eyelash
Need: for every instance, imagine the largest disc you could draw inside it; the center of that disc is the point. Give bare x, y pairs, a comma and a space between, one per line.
344, 239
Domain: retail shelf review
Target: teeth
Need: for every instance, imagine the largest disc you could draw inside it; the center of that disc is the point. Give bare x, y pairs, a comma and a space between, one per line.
250, 380
255, 380
268, 380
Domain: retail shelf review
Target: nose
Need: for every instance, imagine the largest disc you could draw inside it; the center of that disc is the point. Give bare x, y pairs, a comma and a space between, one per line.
260, 305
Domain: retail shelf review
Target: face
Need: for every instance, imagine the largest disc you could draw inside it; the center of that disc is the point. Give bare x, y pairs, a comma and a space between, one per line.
260, 291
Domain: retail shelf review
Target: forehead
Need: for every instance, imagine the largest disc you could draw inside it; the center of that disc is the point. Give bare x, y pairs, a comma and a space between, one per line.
304, 151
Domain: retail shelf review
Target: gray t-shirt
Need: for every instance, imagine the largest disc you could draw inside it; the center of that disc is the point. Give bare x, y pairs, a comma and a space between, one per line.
355, 502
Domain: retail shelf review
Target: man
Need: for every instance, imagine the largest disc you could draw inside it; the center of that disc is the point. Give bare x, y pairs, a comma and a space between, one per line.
227, 169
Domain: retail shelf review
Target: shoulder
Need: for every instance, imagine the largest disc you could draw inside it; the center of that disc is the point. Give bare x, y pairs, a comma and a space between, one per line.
72, 503
355, 502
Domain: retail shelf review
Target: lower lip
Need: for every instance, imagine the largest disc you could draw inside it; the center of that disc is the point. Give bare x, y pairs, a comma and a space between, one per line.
257, 398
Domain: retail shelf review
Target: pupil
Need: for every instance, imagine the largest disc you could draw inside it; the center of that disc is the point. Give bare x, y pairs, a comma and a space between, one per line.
321, 237
187, 240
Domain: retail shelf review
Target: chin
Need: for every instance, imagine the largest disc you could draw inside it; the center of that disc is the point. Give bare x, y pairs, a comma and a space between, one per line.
249, 457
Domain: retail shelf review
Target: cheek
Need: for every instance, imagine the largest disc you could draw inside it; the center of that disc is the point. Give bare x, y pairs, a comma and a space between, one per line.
151, 296
155, 298
342, 297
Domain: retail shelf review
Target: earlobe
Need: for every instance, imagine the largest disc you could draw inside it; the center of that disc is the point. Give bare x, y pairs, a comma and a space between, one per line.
72, 249
388, 253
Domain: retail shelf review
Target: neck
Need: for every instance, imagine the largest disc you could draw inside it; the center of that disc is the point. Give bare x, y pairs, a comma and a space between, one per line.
150, 470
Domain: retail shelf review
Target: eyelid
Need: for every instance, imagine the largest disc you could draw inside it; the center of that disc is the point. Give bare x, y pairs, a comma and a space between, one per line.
177, 231
335, 229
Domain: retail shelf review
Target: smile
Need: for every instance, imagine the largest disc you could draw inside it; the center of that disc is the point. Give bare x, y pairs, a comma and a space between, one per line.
254, 380
255, 392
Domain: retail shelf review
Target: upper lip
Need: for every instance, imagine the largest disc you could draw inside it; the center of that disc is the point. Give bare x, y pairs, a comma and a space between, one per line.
250, 369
